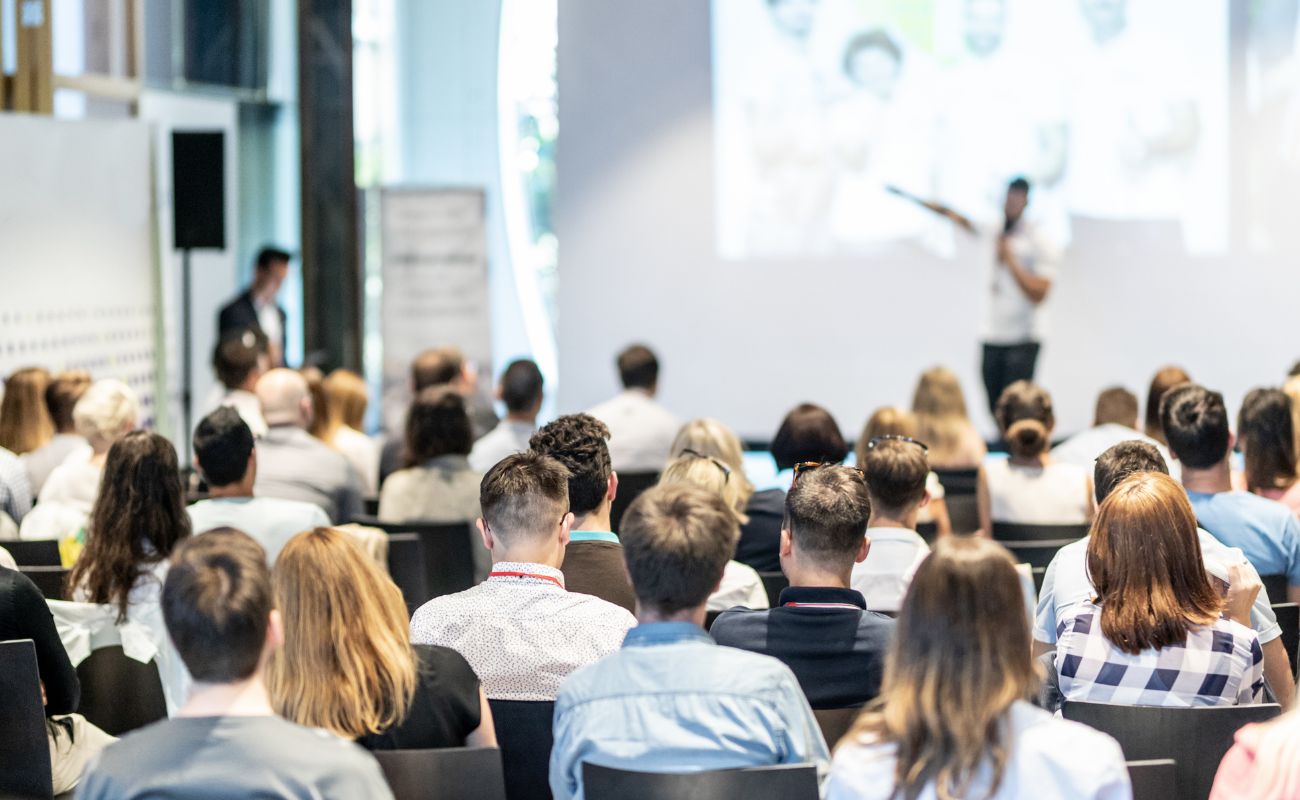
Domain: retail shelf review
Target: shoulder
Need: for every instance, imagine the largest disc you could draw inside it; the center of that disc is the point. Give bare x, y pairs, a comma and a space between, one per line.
286, 508
756, 672
736, 627
863, 769
596, 609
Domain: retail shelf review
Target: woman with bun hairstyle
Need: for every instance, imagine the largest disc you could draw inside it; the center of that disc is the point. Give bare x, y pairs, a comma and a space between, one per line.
1028, 487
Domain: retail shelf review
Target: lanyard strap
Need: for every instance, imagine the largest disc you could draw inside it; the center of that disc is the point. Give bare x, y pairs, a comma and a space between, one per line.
550, 578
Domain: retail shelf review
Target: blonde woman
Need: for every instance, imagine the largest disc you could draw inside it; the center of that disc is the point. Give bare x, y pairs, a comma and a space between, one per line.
889, 421
345, 410
943, 424
347, 664
25, 423
951, 720
741, 585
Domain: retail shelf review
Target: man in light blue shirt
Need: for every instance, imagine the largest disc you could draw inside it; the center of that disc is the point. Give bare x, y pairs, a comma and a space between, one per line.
672, 700
1066, 580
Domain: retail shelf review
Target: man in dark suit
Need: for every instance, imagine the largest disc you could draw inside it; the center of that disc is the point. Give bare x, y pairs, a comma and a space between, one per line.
257, 307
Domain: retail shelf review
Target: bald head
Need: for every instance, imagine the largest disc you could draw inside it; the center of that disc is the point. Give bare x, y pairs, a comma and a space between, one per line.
285, 398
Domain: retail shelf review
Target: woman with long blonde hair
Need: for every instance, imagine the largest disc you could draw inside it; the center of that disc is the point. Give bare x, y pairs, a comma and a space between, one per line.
891, 421
25, 423
942, 421
952, 720
346, 399
347, 664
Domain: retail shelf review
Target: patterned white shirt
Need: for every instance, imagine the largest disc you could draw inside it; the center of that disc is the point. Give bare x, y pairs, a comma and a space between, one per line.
1219, 665
522, 631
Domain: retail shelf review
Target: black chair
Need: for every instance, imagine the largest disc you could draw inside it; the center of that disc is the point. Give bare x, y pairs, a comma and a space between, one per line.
630, 487
958, 481
371, 505
1017, 532
782, 782
1035, 552
525, 737
440, 562
835, 722
1039, 574
50, 580
1195, 738
406, 568
1275, 585
963, 512
445, 774
1154, 779
24, 748
928, 531
34, 552
118, 693
709, 618
774, 583
1288, 619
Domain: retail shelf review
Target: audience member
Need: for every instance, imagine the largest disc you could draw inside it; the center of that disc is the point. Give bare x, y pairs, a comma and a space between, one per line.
898, 422
1114, 421
641, 431
943, 423
1164, 380
521, 392
240, 359
225, 454
520, 630
593, 561
24, 614
61, 396
25, 423
138, 519
741, 584
894, 470
671, 699
952, 720
1266, 434
1263, 764
107, 411
227, 741
1067, 582
294, 465
346, 401
320, 403
1153, 634
1196, 424
1029, 486
15, 493
347, 664
807, 434
257, 308
822, 629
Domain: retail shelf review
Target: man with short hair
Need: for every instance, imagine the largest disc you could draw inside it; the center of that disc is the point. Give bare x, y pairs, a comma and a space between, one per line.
895, 470
224, 453
521, 392
641, 431
1195, 422
1114, 421
593, 561
226, 741
672, 700
239, 360
61, 396
1066, 581
822, 629
292, 463
521, 630
257, 307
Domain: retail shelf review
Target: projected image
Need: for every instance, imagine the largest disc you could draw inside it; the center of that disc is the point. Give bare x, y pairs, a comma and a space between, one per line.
1117, 116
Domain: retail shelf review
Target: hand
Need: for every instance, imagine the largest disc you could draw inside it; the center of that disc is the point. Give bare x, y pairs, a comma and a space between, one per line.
1243, 588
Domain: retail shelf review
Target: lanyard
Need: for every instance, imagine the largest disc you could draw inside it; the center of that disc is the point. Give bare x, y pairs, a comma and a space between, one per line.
550, 578
821, 605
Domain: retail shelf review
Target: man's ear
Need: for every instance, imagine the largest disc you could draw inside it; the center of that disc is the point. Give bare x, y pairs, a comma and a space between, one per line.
566, 528
925, 499
611, 487
485, 533
275, 630
1232, 442
863, 550
787, 543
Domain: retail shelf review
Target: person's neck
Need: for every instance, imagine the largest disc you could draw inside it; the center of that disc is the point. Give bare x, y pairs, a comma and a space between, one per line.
1212, 480
522, 417
249, 385
595, 520
246, 698
1040, 460
886, 518
241, 488
646, 615
548, 555
815, 576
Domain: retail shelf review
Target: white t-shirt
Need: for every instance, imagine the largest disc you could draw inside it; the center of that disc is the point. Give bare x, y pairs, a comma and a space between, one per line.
1085, 447
641, 431
892, 561
271, 521
1012, 317
741, 586
1056, 494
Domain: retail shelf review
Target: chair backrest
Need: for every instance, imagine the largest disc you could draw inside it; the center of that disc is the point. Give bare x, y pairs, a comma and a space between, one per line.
1035, 552
928, 531
443, 557
1154, 779
774, 583
24, 747
1275, 585
406, 568
963, 512
781, 782
1195, 738
50, 580
445, 774
958, 481
34, 552
1039, 574
835, 722
1288, 618
709, 618
118, 693
630, 487
1019, 532
524, 734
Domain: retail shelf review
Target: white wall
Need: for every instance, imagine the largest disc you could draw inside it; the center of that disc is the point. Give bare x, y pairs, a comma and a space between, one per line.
745, 341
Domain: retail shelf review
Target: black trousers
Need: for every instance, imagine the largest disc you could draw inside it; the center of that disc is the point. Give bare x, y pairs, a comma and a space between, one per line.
1004, 364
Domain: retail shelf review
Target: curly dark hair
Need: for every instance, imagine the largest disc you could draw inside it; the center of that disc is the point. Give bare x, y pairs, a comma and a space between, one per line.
437, 425
578, 442
138, 519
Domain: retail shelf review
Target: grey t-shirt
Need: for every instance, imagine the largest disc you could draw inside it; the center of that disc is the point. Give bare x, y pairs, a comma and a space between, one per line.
212, 758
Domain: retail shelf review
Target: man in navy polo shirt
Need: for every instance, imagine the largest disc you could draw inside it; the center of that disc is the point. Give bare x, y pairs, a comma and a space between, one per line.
821, 629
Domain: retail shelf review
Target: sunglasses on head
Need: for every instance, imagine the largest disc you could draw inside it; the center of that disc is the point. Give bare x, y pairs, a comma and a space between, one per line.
726, 470
806, 466
875, 440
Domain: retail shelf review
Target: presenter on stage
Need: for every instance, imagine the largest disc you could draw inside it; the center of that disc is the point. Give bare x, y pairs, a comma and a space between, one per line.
257, 307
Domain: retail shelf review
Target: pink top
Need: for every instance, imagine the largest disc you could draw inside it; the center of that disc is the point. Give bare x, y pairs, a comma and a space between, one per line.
1263, 764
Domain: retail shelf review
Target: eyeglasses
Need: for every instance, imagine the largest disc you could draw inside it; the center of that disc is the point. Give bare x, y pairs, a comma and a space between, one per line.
726, 470
875, 440
806, 466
